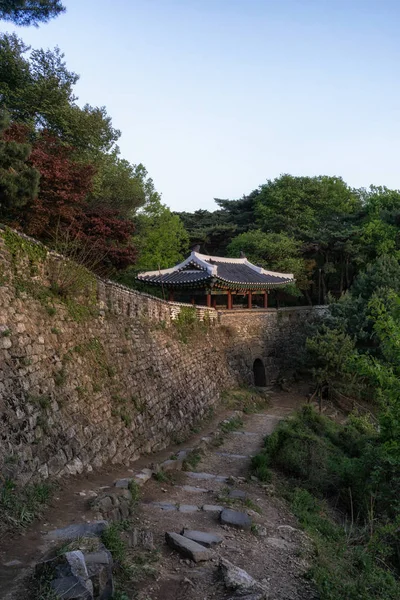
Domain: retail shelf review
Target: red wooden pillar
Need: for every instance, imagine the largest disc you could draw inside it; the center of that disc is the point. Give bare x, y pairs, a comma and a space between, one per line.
249, 299
265, 299
171, 296
229, 300
214, 301
193, 301
209, 300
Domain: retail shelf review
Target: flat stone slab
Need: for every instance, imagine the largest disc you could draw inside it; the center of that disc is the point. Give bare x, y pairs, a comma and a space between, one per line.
250, 433
187, 547
192, 489
229, 455
207, 476
194, 475
202, 537
235, 518
71, 532
237, 494
188, 508
164, 505
212, 508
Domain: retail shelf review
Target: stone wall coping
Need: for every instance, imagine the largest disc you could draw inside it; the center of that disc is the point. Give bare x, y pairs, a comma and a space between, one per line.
259, 311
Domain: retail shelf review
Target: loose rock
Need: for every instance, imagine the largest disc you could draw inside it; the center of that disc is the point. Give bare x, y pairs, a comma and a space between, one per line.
239, 580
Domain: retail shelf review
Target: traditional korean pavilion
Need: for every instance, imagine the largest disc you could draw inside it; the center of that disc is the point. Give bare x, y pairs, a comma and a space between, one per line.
203, 277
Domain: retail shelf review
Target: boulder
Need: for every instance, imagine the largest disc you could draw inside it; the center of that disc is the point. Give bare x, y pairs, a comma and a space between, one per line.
241, 582
99, 567
68, 576
70, 588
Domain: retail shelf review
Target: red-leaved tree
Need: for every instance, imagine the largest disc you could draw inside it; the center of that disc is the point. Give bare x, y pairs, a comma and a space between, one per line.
61, 204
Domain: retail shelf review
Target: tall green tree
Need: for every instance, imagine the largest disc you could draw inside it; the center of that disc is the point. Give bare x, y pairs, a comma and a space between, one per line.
275, 251
38, 90
19, 181
161, 238
30, 12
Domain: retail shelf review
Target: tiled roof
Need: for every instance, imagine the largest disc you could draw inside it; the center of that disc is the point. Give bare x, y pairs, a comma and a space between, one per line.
241, 273
199, 270
177, 277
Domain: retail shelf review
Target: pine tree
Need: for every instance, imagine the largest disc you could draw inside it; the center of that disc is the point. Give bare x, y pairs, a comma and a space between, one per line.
30, 12
19, 181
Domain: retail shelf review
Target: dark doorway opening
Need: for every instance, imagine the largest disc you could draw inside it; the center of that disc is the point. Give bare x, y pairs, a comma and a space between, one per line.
260, 378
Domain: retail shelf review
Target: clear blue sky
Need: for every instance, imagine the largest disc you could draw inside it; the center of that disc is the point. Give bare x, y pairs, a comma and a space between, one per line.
216, 96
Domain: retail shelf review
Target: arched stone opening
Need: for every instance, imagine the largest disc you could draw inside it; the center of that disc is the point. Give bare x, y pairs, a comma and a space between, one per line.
260, 377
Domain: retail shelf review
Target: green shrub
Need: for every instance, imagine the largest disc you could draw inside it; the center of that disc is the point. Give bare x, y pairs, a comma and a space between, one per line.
260, 467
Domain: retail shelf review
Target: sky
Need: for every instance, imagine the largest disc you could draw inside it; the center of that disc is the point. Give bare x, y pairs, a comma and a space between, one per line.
215, 97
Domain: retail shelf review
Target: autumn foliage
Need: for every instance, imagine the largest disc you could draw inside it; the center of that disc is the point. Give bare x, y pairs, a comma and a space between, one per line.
61, 203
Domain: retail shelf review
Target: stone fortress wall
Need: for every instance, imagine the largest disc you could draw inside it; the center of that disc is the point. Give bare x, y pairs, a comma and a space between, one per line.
109, 376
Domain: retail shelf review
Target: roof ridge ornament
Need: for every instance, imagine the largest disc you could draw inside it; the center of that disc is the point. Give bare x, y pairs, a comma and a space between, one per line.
242, 254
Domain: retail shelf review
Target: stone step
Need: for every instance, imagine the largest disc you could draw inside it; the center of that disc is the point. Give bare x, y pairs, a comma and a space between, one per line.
248, 433
191, 489
185, 508
229, 455
267, 416
207, 476
187, 547
204, 538
235, 518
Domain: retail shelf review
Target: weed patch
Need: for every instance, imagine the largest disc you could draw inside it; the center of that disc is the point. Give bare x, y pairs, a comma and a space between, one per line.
192, 460
232, 424
19, 506
248, 399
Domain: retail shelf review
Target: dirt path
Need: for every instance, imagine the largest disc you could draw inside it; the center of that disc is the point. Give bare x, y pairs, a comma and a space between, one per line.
274, 551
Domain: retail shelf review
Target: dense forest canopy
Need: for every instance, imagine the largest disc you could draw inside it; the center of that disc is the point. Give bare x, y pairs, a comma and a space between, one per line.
319, 228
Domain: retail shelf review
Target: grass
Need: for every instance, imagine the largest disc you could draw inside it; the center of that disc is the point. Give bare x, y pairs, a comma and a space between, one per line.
322, 461
113, 541
134, 489
260, 467
343, 566
39, 585
163, 477
129, 566
192, 460
20, 506
232, 424
248, 399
